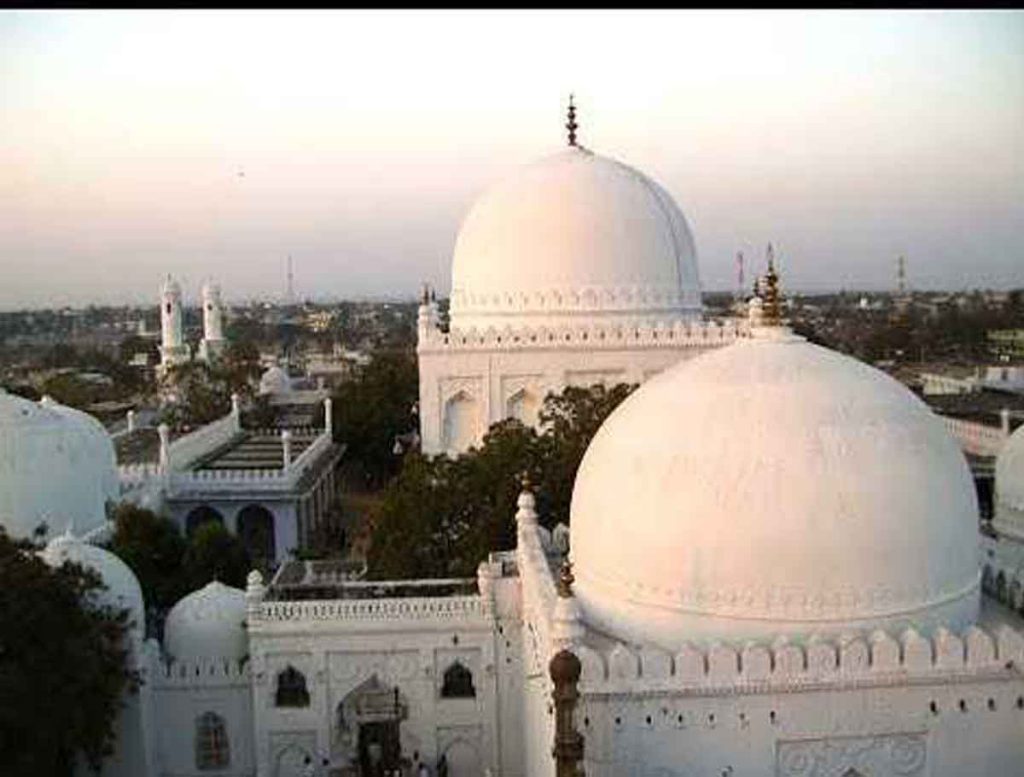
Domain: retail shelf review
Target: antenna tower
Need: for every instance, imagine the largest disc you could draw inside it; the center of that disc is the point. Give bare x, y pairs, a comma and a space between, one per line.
901, 275
290, 298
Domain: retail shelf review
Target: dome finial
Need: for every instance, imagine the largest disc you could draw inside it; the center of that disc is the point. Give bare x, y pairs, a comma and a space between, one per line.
571, 125
770, 295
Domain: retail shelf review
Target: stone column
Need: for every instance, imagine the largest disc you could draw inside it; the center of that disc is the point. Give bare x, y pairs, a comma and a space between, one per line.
165, 447
131, 421
286, 445
328, 421
1004, 420
236, 410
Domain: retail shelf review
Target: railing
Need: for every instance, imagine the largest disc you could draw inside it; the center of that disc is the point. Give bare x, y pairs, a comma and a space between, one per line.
975, 437
411, 608
191, 447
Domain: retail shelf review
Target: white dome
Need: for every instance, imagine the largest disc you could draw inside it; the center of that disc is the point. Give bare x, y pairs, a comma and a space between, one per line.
1009, 494
573, 238
773, 487
275, 381
122, 587
56, 465
208, 623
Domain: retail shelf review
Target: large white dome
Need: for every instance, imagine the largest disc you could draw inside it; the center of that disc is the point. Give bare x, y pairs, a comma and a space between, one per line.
57, 466
773, 487
208, 624
573, 238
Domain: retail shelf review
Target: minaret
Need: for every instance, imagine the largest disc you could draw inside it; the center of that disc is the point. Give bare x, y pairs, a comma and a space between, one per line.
213, 322
173, 349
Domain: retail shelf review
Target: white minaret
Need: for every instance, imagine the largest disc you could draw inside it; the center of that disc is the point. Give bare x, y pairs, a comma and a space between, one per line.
172, 349
213, 322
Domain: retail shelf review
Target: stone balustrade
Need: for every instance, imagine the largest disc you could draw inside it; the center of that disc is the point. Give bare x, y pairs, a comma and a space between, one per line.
440, 608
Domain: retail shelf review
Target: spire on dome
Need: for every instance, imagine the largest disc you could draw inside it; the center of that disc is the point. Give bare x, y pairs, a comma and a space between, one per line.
571, 125
770, 294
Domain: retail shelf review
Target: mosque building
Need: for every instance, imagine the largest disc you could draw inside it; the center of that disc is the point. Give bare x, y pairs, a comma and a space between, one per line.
773, 567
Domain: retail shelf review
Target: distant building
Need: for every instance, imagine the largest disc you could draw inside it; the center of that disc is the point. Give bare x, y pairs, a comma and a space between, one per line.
272, 488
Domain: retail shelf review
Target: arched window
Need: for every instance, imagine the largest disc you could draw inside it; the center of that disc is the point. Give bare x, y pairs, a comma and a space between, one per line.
212, 749
458, 682
291, 689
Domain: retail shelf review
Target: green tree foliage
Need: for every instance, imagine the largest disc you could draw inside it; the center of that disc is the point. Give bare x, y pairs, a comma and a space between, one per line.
441, 516
154, 549
372, 408
63, 665
570, 420
202, 396
215, 554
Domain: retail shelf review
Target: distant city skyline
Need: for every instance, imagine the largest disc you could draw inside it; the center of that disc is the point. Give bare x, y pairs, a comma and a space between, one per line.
217, 143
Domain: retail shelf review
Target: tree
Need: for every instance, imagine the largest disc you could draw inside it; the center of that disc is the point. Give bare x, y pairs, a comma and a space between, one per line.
63, 665
154, 548
570, 420
215, 554
440, 516
374, 407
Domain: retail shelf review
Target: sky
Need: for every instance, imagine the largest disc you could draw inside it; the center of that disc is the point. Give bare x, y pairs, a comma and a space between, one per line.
217, 143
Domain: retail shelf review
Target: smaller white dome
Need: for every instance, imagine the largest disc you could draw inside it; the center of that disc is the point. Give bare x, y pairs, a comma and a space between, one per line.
57, 466
1009, 496
208, 623
91, 429
275, 381
122, 587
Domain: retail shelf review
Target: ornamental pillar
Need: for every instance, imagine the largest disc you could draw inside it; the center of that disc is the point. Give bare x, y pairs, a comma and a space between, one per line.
565, 670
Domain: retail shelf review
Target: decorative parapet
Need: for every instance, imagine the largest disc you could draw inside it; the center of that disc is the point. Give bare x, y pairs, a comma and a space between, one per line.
441, 608
217, 672
132, 476
675, 335
862, 660
977, 438
536, 578
225, 480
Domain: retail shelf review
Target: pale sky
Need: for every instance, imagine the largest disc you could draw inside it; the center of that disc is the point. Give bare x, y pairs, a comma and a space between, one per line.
844, 137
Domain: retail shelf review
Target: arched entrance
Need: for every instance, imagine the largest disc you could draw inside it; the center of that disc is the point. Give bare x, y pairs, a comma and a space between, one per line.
256, 531
366, 730
200, 515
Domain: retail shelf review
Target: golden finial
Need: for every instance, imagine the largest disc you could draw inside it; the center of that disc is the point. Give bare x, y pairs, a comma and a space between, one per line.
770, 295
524, 481
572, 126
565, 578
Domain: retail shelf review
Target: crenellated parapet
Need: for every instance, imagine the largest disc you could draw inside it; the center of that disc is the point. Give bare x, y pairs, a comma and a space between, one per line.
877, 658
206, 673
674, 334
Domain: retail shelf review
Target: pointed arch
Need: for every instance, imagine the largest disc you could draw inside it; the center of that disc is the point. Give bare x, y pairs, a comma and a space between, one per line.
291, 688
457, 682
